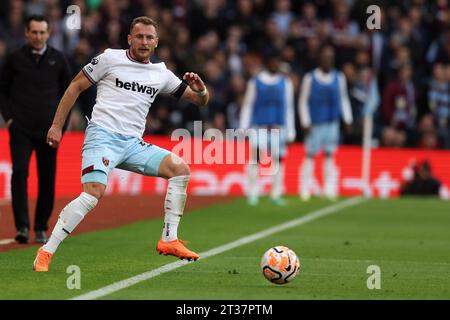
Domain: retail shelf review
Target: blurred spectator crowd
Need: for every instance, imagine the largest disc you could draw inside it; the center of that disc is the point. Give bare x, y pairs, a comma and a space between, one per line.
223, 41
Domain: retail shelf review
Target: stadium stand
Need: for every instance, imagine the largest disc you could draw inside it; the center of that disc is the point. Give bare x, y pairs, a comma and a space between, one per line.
222, 41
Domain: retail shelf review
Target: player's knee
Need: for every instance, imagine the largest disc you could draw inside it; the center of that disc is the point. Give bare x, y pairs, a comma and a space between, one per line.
181, 169
94, 189
173, 166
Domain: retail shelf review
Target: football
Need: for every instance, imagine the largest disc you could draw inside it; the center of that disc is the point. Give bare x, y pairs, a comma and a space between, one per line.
280, 265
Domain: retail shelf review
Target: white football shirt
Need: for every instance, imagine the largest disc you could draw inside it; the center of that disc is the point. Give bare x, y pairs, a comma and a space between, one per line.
126, 89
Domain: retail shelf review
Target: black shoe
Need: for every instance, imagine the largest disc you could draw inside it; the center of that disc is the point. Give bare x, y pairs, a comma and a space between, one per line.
41, 237
22, 235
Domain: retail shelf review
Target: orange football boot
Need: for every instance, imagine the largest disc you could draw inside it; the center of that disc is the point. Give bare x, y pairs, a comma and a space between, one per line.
42, 260
176, 248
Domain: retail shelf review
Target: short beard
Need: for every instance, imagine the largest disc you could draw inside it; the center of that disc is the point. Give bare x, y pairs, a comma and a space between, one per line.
137, 55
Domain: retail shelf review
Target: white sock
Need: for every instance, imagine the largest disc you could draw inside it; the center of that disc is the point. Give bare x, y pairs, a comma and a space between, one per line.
174, 206
252, 186
306, 176
69, 218
277, 182
329, 174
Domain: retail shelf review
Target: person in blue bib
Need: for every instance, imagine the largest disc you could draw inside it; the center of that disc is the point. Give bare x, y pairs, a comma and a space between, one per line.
268, 104
323, 101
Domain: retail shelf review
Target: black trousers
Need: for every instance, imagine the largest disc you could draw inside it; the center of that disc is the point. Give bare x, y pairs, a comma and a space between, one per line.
22, 146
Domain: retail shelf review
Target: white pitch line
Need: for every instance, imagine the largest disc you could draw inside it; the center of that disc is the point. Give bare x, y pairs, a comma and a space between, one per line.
117, 286
6, 241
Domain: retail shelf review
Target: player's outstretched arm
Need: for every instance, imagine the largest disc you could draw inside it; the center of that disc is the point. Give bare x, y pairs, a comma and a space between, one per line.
196, 91
78, 85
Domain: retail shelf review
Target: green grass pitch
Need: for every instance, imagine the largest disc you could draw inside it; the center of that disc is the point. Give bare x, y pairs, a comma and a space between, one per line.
409, 239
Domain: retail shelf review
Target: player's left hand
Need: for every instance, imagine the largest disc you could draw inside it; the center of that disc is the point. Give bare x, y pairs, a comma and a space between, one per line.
54, 136
194, 81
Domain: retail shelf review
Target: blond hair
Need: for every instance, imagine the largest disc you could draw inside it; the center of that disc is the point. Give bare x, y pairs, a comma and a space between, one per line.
144, 20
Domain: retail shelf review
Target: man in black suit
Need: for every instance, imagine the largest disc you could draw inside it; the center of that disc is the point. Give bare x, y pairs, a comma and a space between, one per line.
32, 82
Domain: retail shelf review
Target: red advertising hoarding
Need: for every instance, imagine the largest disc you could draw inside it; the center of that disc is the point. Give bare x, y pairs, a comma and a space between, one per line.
389, 168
